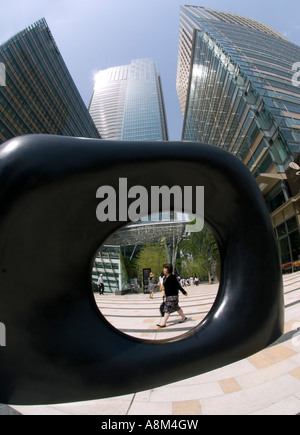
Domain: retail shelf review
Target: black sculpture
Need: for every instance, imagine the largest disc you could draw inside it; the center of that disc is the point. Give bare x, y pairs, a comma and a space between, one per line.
59, 348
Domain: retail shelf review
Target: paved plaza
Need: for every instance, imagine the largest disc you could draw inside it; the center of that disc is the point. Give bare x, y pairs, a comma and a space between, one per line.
265, 383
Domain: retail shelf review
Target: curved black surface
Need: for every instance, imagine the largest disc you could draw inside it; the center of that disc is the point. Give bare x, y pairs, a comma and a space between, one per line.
59, 348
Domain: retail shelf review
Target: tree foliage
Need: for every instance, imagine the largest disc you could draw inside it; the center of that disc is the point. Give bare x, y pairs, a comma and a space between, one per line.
195, 255
151, 256
198, 254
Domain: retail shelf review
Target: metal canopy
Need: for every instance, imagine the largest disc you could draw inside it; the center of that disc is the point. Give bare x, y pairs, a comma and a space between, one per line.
147, 232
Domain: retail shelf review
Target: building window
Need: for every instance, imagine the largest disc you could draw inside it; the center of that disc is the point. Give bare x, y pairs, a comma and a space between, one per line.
276, 202
289, 240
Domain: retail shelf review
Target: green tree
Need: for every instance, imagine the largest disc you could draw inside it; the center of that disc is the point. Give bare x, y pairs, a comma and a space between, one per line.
151, 256
199, 254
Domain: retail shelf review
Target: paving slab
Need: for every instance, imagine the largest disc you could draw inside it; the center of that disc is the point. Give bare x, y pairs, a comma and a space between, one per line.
267, 383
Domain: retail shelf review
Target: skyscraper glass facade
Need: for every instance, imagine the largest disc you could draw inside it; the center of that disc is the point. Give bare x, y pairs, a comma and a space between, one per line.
127, 102
39, 94
107, 104
236, 92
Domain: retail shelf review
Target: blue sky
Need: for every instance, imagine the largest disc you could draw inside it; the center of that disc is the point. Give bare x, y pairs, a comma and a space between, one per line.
98, 34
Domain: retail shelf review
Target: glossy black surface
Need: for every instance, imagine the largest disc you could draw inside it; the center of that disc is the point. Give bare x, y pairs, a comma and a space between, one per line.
59, 348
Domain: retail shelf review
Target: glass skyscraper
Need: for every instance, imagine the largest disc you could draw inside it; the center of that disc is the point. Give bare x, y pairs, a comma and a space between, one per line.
127, 102
37, 93
236, 91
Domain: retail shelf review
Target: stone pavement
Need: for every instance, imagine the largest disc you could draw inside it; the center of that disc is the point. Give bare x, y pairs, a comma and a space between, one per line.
265, 383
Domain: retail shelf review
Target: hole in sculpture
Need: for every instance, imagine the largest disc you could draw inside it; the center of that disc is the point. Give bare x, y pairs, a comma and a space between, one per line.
125, 260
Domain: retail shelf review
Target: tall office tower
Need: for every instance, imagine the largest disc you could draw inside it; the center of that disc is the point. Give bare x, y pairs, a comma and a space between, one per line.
236, 90
127, 102
39, 94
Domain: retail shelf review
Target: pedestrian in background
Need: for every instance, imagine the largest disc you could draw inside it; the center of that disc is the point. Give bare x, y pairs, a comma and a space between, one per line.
101, 285
151, 285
